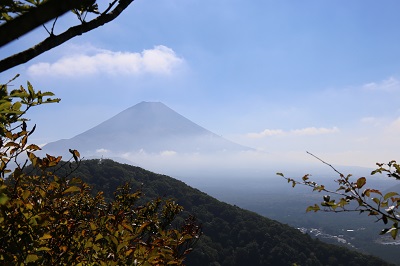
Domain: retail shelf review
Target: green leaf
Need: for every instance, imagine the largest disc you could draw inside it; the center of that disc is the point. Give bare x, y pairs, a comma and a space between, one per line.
361, 182
393, 232
31, 91
280, 174
17, 106
47, 93
377, 201
390, 194
314, 208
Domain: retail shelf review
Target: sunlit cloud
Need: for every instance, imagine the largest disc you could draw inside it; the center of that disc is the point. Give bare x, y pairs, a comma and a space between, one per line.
304, 131
390, 84
160, 60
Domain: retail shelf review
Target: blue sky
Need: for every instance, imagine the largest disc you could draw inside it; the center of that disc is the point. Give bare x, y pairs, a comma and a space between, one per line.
283, 76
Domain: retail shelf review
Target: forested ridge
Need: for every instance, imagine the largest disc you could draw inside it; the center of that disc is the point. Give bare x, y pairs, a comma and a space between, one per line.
231, 235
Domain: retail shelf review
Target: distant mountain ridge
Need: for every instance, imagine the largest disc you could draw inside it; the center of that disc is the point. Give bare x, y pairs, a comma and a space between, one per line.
149, 127
232, 236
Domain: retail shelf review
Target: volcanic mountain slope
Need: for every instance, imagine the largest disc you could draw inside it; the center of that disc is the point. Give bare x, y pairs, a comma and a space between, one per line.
232, 236
149, 127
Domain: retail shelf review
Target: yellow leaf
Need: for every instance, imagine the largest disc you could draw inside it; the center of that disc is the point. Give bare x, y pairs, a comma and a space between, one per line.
143, 226
99, 236
71, 189
43, 249
3, 198
31, 258
127, 226
26, 194
45, 236
128, 252
93, 226
120, 246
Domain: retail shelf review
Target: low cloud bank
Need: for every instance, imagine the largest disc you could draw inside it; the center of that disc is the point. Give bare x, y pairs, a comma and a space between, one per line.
309, 131
160, 60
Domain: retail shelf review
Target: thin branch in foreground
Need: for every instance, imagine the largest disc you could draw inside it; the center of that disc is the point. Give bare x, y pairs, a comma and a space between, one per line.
328, 164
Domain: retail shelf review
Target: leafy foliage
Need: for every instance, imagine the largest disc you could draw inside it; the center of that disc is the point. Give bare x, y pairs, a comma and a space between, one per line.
353, 196
48, 219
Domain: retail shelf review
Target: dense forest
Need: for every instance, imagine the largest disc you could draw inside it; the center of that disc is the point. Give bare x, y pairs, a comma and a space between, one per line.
231, 235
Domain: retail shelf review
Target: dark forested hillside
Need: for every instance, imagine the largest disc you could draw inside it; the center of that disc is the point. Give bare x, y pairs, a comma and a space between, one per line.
232, 236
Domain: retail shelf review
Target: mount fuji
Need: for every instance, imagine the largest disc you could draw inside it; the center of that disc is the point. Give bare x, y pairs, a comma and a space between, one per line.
149, 128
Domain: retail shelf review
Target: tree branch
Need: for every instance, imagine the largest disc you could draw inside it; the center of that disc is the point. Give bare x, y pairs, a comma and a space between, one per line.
328, 164
56, 40
35, 17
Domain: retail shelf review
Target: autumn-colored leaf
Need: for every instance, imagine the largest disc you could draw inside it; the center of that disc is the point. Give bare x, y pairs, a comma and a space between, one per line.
390, 194
31, 258
71, 189
361, 182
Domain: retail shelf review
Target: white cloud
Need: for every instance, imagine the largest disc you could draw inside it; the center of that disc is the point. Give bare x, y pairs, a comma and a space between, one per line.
266, 133
102, 150
390, 84
167, 153
304, 131
314, 131
160, 60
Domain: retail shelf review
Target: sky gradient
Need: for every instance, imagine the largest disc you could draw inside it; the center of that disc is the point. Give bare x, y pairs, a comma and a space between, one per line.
284, 77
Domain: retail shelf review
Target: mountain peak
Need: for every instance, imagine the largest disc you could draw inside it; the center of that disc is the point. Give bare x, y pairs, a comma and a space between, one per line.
150, 127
